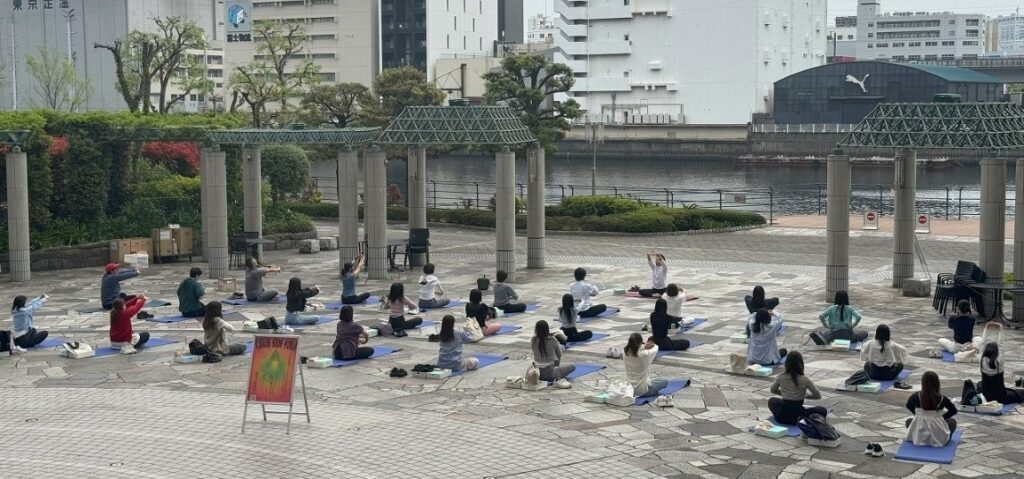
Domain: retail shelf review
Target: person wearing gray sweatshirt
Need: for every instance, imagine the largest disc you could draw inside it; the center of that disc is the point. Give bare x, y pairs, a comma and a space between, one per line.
504, 295
547, 356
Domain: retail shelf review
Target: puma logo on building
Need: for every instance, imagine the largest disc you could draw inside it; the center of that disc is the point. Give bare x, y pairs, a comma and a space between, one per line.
860, 83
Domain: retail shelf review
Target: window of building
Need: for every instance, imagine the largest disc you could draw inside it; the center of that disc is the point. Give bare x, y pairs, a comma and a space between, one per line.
871, 25
931, 57
971, 33
474, 24
463, 42
481, 43
625, 37
952, 22
970, 55
448, 41
931, 44
952, 33
871, 35
625, 2
322, 2
455, 23
871, 45
899, 45
849, 37
914, 44
625, 73
970, 43
948, 43
882, 45
973, 22
947, 56
464, 10
914, 57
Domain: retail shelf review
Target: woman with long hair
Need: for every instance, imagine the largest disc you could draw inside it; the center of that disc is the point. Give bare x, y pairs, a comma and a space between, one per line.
296, 304
547, 356
348, 343
793, 387
763, 330
449, 355
24, 332
883, 358
756, 300
637, 357
395, 303
661, 321
569, 318
121, 333
930, 426
349, 272
214, 328
476, 301
841, 319
992, 373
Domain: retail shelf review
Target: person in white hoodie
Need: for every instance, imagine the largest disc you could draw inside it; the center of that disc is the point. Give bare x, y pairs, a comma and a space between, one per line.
637, 357
581, 292
431, 292
883, 357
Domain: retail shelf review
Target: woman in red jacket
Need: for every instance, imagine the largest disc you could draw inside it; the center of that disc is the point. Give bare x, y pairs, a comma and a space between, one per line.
121, 334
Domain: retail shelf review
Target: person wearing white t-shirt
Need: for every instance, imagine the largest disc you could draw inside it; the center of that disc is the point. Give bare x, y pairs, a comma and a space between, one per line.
431, 292
582, 291
637, 357
659, 275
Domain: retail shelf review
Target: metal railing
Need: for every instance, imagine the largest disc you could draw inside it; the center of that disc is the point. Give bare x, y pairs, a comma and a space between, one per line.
794, 199
803, 128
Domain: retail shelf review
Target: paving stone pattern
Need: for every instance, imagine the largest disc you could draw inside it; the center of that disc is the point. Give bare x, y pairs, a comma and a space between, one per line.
145, 416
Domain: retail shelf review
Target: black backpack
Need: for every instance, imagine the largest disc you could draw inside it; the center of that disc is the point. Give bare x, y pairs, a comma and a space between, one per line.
818, 338
197, 348
970, 396
815, 426
859, 377
211, 358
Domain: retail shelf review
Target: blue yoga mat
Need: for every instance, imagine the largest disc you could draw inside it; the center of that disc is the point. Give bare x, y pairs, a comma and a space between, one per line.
696, 322
939, 455
455, 303
1006, 408
673, 386
248, 347
320, 320
885, 385
426, 324
530, 308
336, 305
280, 299
583, 369
485, 360
52, 343
177, 318
608, 312
152, 343
595, 337
378, 351
508, 328
693, 344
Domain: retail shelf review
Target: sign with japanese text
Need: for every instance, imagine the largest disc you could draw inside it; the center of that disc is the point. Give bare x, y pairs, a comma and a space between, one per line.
238, 22
273, 368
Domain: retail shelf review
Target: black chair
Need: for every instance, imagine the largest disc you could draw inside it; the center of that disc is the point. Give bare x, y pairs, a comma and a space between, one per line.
255, 248
238, 250
952, 287
419, 243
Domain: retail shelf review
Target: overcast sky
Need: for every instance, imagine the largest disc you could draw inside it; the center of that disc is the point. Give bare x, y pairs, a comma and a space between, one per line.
849, 7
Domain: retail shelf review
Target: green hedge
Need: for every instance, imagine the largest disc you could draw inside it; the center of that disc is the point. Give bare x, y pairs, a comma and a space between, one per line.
580, 206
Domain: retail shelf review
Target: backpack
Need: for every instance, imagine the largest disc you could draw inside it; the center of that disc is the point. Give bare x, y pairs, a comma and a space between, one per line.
211, 358
385, 329
970, 396
859, 377
197, 348
5, 341
815, 426
818, 338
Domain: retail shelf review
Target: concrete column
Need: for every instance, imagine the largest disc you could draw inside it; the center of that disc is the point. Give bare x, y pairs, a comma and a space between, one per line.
837, 241
217, 213
17, 216
905, 186
535, 209
1018, 241
252, 182
348, 205
417, 161
992, 232
376, 215
204, 181
505, 211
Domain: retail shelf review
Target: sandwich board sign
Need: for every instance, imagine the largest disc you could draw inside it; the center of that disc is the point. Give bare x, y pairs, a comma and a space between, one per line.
870, 220
275, 362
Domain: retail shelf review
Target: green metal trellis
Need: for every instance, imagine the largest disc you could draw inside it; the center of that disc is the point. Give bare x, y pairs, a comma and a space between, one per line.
14, 137
938, 126
457, 126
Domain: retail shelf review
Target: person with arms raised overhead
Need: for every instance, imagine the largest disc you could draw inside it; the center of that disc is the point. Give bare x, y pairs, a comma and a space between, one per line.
24, 332
659, 275
637, 357
757, 300
349, 272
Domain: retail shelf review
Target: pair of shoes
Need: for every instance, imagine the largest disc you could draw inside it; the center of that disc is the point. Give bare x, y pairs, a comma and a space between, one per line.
644, 328
400, 333
663, 401
237, 296
563, 384
634, 289
398, 373
614, 353
285, 330
15, 349
934, 353
303, 359
434, 338
423, 368
874, 449
144, 315
128, 349
902, 385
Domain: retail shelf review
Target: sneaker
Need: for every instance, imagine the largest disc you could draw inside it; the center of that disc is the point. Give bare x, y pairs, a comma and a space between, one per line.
285, 329
869, 449
663, 401
237, 296
877, 451
128, 349
1018, 382
273, 323
563, 384
902, 385
614, 353
401, 334
15, 349
401, 373
393, 373
144, 315
434, 338
935, 353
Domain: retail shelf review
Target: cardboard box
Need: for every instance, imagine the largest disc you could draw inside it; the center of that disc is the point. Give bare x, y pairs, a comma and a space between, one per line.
140, 244
187, 358
119, 248
869, 388
137, 260
182, 241
318, 363
599, 398
773, 432
821, 442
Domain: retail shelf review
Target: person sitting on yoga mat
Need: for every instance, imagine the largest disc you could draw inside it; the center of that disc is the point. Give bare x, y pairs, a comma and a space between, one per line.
189, 293
449, 355
661, 322
674, 297
296, 304
581, 292
547, 356
254, 273
840, 320
504, 295
25, 334
431, 292
659, 275
756, 301
992, 377
637, 357
962, 325
349, 272
110, 284
793, 387
763, 330
476, 309
568, 315
395, 303
121, 333
883, 357
350, 338
214, 328
930, 426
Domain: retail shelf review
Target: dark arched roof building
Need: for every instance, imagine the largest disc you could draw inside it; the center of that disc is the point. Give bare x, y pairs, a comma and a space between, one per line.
847, 92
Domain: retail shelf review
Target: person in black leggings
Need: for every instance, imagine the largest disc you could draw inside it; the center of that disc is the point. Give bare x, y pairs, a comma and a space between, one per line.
348, 344
793, 387
568, 316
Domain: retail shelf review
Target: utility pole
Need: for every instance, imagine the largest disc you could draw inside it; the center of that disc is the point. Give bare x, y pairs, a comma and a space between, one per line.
69, 16
596, 130
14, 68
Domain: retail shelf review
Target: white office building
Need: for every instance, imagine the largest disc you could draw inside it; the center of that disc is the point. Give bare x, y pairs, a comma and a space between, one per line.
685, 61
842, 39
44, 24
1006, 35
541, 29
910, 36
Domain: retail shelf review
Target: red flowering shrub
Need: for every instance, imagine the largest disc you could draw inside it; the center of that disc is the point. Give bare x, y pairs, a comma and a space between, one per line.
179, 157
58, 146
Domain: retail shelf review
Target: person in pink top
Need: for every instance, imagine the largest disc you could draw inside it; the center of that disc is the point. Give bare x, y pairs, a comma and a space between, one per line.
396, 303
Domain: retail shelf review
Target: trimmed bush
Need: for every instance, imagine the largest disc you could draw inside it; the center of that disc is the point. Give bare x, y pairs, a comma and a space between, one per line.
580, 206
702, 219
278, 219
287, 168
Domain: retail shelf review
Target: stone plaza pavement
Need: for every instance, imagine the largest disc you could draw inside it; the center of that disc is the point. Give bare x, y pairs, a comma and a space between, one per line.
144, 416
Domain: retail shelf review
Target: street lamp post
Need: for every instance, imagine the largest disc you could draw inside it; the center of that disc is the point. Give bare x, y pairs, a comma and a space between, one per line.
596, 135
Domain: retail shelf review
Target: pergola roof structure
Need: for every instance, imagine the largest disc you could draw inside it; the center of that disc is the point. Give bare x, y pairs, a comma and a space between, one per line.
14, 137
251, 136
940, 126
457, 126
